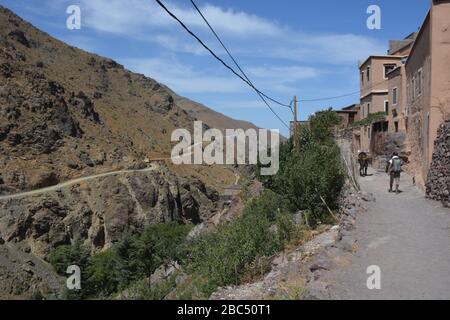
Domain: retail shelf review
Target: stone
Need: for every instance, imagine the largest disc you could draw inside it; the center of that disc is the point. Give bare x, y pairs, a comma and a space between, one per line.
72, 164
298, 218
82, 103
20, 37
347, 243
438, 180
368, 197
84, 157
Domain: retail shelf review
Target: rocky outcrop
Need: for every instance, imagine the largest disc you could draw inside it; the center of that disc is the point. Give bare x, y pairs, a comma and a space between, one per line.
85, 106
438, 182
36, 122
100, 212
24, 276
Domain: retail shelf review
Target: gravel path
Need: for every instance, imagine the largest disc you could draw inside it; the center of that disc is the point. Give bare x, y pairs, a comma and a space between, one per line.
407, 236
69, 183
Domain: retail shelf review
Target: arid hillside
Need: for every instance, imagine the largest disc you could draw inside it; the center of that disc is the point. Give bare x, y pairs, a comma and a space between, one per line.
67, 116
67, 113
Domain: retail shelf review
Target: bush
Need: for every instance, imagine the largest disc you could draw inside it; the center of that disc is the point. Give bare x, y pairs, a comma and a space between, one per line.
101, 271
322, 124
143, 290
167, 243
68, 255
134, 257
312, 171
311, 175
222, 256
269, 205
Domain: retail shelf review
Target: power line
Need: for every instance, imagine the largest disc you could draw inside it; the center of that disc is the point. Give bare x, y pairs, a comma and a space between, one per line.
261, 95
220, 60
232, 58
340, 96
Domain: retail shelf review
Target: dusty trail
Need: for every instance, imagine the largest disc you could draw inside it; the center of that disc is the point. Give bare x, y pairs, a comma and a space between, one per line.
408, 237
74, 181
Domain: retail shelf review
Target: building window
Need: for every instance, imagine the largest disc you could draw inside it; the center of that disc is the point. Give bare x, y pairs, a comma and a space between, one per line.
388, 68
369, 133
394, 96
368, 109
386, 106
368, 74
419, 82
396, 126
362, 77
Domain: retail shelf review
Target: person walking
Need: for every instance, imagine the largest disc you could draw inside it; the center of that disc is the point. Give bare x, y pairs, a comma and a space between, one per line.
394, 169
363, 164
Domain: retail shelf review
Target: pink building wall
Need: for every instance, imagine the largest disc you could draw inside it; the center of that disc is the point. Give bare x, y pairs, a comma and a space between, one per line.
428, 87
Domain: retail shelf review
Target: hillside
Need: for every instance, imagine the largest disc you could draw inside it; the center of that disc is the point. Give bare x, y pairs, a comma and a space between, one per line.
212, 118
66, 114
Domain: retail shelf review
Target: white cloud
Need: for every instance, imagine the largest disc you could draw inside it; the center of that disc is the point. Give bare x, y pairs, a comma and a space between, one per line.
230, 21
284, 73
183, 78
246, 34
121, 17
292, 57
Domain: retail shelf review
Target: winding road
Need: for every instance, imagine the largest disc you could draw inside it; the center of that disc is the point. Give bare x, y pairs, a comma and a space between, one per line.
407, 236
69, 183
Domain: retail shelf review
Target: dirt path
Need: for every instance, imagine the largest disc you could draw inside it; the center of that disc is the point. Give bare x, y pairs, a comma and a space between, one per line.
408, 237
69, 183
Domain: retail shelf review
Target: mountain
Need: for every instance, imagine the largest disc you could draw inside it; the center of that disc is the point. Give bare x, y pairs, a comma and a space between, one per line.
78, 128
212, 118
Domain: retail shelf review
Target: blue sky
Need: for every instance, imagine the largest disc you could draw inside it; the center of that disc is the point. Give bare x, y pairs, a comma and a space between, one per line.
287, 47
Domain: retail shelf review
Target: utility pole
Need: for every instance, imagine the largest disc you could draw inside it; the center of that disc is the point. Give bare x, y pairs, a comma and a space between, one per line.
295, 124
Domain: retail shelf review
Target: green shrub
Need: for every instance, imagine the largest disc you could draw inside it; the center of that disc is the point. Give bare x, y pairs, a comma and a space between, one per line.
286, 229
310, 176
68, 255
269, 205
101, 274
311, 171
132, 258
167, 243
143, 290
222, 256
322, 124
370, 119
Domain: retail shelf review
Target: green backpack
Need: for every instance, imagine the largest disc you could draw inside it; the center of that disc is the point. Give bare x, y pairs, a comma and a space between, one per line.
396, 165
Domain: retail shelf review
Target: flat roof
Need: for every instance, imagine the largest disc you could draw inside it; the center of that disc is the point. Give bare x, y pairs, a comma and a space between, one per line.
381, 57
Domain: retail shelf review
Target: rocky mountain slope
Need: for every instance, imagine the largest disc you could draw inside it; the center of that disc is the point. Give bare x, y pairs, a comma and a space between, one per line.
65, 114
213, 118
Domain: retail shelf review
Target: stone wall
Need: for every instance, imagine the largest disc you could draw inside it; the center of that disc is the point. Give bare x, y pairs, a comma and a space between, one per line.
438, 182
